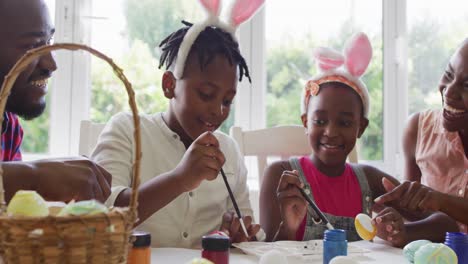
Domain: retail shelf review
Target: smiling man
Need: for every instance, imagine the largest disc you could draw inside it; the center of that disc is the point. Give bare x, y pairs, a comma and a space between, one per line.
26, 24
23, 28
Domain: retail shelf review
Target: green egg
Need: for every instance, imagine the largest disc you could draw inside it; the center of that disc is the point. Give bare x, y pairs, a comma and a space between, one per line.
88, 207
435, 253
412, 247
27, 204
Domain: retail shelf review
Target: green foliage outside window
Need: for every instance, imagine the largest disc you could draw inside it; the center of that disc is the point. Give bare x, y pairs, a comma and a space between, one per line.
288, 66
36, 132
108, 95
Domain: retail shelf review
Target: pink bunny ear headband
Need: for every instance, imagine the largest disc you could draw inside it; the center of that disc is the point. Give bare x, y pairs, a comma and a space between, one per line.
239, 12
346, 68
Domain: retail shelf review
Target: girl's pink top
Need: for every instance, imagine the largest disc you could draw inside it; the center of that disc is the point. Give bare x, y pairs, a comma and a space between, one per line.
340, 196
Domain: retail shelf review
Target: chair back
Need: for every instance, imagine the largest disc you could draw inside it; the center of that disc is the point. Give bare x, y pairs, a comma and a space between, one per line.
89, 134
281, 141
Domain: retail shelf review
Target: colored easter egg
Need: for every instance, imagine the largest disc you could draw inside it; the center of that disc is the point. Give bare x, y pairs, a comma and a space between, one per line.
435, 253
200, 261
343, 260
88, 207
364, 227
412, 247
27, 203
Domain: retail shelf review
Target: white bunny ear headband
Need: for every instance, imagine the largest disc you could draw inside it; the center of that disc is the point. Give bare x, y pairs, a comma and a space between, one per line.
240, 11
345, 68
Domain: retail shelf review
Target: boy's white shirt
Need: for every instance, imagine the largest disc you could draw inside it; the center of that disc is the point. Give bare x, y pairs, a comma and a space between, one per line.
182, 222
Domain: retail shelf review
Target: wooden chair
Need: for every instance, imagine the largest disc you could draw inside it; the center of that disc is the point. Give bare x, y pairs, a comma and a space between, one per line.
280, 141
89, 134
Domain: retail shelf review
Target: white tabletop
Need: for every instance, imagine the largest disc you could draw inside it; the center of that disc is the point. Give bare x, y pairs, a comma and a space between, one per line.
379, 252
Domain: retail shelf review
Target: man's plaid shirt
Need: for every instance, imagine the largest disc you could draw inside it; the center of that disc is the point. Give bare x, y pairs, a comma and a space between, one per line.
12, 136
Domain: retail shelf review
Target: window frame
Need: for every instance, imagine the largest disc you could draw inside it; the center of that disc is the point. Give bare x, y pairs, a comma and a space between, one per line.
70, 103
394, 81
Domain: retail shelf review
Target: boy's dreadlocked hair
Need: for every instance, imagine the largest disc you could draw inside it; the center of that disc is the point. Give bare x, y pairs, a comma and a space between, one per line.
210, 42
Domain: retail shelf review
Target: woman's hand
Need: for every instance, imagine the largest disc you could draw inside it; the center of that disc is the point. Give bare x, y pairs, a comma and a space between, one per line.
412, 196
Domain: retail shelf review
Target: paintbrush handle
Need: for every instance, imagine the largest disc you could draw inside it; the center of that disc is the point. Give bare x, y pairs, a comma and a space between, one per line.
316, 209
234, 203
231, 195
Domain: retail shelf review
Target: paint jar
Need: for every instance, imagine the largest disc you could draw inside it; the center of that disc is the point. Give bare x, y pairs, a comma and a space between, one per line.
459, 243
140, 253
216, 248
334, 244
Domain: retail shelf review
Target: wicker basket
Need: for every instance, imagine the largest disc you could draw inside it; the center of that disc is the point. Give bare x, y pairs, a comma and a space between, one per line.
101, 238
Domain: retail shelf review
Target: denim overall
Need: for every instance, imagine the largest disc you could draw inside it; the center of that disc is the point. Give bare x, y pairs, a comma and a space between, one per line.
314, 229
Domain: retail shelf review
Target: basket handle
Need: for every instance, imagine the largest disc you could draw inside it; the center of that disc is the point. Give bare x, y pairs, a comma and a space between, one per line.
33, 54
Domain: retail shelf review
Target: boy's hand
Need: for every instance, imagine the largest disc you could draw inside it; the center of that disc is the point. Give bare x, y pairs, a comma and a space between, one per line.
293, 206
67, 179
412, 196
390, 226
231, 226
202, 161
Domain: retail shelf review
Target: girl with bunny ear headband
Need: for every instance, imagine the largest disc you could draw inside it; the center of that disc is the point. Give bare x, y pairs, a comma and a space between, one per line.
335, 109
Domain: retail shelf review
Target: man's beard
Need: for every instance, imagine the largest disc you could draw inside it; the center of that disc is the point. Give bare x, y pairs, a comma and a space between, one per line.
23, 109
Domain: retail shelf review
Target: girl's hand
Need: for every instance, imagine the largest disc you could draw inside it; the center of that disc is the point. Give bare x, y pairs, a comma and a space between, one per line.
293, 206
391, 227
412, 196
202, 161
231, 226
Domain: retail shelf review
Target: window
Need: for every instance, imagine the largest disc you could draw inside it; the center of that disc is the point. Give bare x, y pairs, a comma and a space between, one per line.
409, 58
36, 136
289, 63
432, 38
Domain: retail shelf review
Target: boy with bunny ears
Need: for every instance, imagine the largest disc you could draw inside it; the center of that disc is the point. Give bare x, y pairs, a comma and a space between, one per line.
182, 196
335, 108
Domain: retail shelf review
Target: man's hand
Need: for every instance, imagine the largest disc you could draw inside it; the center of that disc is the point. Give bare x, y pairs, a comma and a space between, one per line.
202, 161
67, 179
231, 226
412, 196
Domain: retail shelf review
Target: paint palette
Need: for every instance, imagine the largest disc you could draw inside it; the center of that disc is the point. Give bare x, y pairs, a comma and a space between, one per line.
312, 249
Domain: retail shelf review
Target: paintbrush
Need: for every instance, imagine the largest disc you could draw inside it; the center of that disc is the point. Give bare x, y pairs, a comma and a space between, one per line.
234, 203
316, 209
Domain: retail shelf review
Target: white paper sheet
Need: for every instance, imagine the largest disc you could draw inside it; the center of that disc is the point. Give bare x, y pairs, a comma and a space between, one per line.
312, 249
